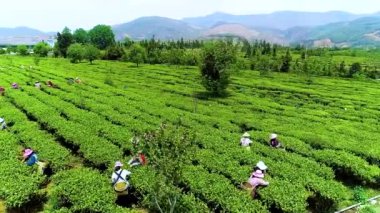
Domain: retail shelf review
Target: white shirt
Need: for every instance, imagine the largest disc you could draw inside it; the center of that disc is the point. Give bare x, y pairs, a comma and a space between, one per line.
3, 125
245, 142
124, 175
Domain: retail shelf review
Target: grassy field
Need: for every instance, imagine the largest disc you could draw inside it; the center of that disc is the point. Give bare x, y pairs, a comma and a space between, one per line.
330, 129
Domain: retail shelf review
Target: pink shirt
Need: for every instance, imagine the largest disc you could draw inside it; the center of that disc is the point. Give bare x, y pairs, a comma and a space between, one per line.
255, 181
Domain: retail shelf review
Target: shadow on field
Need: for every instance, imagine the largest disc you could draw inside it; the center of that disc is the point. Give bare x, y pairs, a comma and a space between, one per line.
129, 200
320, 204
204, 95
34, 205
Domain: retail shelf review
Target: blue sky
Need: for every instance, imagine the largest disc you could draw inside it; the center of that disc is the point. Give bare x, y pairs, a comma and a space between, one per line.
53, 15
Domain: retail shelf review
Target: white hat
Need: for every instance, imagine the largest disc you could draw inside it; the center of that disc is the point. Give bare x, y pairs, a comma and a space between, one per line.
273, 136
246, 134
1, 120
118, 164
261, 165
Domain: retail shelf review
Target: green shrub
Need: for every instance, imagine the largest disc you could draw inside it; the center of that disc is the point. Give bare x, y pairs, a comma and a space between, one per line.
75, 53
360, 195
82, 190
217, 59
367, 209
169, 149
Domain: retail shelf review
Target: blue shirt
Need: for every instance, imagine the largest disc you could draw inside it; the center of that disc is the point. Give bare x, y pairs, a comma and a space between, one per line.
32, 160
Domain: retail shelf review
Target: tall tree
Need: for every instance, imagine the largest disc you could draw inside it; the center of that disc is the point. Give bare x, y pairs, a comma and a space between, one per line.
41, 49
81, 36
102, 36
137, 54
22, 50
342, 69
175, 56
127, 42
91, 53
64, 40
115, 52
75, 52
354, 68
286, 60
216, 60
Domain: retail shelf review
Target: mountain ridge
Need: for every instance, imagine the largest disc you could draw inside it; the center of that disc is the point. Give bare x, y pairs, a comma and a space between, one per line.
161, 27
283, 27
279, 20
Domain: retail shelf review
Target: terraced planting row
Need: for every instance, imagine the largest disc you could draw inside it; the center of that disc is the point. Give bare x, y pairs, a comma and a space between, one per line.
189, 199
51, 112
101, 115
315, 143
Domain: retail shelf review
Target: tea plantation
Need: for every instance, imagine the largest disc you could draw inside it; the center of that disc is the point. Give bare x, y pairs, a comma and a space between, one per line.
329, 127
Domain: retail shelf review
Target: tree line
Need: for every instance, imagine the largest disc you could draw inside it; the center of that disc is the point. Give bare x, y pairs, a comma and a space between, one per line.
256, 55
100, 43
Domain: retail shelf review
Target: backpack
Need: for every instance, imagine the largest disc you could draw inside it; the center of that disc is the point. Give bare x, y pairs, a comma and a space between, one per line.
120, 186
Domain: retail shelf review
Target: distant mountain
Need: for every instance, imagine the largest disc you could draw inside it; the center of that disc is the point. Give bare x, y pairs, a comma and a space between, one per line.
311, 28
348, 31
242, 31
22, 35
354, 30
362, 31
232, 29
278, 20
159, 27
20, 31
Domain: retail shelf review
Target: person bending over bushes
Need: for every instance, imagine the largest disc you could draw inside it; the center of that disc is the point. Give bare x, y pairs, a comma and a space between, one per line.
245, 141
120, 178
31, 159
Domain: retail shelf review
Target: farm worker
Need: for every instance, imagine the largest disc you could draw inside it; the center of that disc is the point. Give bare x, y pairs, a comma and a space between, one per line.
120, 178
274, 142
140, 159
30, 157
245, 140
256, 180
77, 80
261, 166
2, 91
37, 85
15, 86
50, 84
3, 125
70, 80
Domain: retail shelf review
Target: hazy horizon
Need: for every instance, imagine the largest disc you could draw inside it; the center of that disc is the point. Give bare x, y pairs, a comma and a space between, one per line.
52, 16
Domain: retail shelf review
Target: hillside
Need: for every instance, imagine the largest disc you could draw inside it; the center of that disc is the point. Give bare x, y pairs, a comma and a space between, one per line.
22, 35
281, 27
338, 28
358, 32
20, 31
160, 27
277, 20
243, 32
